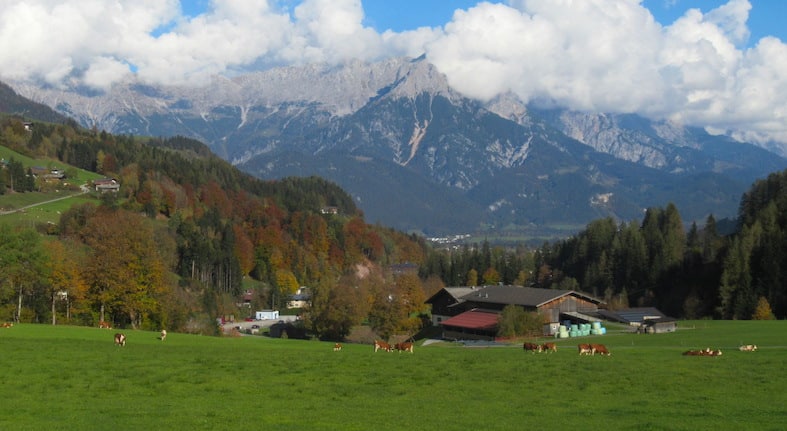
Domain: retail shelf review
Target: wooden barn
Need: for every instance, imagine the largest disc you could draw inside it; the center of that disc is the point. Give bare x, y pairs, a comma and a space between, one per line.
446, 303
552, 304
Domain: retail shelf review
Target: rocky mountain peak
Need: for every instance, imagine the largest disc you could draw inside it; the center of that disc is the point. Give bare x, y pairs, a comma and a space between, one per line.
418, 156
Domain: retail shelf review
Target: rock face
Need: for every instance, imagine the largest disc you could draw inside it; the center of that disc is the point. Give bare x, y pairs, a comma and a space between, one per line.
418, 156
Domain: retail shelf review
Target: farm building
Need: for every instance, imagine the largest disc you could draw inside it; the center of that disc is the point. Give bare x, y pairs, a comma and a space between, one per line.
552, 304
283, 329
299, 299
266, 315
106, 185
471, 325
645, 319
446, 303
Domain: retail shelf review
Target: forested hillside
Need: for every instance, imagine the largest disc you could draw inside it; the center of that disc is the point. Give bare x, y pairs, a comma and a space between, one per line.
184, 236
187, 234
687, 273
12, 103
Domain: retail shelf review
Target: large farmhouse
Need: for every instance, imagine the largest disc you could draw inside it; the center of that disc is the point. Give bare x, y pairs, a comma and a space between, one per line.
472, 312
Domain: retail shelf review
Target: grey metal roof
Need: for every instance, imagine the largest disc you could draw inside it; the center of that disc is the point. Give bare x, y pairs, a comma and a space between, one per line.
456, 293
520, 295
634, 315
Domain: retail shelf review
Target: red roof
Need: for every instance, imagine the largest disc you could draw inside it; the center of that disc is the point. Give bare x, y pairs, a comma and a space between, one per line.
474, 319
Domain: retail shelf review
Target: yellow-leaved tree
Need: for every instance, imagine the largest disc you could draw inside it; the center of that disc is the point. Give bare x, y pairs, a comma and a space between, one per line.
763, 310
65, 285
123, 269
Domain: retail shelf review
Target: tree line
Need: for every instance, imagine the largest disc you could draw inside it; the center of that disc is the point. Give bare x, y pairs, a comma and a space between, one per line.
187, 234
693, 272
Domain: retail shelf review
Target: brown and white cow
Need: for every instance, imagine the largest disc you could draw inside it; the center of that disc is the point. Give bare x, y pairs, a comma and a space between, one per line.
703, 352
337, 347
748, 348
7, 325
531, 347
549, 347
404, 347
381, 345
104, 325
600, 349
163, 335
120, 339
585, 349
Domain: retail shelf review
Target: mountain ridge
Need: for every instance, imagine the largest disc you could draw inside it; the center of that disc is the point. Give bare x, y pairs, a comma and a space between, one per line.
491, 166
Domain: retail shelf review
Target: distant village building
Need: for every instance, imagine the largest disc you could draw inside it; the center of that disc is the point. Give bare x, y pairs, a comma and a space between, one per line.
47, 173
106, 185
299, 299
329, 210
246, 298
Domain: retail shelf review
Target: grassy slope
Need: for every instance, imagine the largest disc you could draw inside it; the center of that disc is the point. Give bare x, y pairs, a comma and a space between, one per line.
43, 211
74, 378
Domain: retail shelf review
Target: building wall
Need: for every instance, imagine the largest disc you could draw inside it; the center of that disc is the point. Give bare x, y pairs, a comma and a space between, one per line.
267, 315
453, 333
551, 310
440, 309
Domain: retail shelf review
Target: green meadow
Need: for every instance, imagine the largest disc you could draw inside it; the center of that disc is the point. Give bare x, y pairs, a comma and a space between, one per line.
33, 208
61, 377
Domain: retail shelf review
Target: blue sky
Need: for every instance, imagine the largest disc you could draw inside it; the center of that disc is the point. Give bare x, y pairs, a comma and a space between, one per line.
767, 17
718, 64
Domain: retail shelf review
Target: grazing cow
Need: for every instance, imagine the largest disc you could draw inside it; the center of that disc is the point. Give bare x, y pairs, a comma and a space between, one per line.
104, 325
337, 347
120, 339
704, 352
549, 347
600, 349
585, 349
163, 335
7, 324
381, 345
748, 348
532, 347
404, 347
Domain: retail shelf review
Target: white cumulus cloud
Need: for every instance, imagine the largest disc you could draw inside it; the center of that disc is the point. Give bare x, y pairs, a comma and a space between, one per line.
612, 56
594, 55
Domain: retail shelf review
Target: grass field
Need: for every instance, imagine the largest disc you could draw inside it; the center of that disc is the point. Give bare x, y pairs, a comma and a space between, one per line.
75, 378
43, 207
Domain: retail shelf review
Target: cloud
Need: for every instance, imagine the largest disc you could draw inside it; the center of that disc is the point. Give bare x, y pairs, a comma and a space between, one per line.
611, 56
52, 40
593, 55
104, 71
571, 53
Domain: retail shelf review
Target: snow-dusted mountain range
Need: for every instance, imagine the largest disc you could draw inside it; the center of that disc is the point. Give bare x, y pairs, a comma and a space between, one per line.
418, 156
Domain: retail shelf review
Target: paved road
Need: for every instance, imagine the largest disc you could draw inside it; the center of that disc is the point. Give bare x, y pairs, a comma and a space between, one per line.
3, 212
